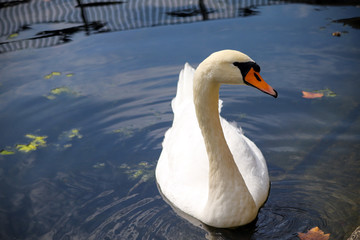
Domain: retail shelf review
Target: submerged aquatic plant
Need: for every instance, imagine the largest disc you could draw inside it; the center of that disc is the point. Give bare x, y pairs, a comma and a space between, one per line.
60, 90
142, 170
40, 141
99, 165
66, 137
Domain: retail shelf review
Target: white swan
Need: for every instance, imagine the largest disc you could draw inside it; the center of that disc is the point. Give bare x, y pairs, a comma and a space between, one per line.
207, 167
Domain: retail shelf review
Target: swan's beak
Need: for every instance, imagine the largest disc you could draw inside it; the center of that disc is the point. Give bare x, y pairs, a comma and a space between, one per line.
254, 79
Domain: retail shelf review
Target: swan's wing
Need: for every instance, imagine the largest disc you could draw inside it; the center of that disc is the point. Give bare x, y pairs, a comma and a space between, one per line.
182, 169
249, 160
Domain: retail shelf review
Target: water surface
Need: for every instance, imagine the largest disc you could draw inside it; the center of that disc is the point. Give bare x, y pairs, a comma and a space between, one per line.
103, 103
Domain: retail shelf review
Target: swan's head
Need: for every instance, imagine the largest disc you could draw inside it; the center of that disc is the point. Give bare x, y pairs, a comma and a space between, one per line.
234, 67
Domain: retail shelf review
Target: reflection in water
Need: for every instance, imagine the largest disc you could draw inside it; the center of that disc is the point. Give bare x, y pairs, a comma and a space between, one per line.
103, 16
189, 12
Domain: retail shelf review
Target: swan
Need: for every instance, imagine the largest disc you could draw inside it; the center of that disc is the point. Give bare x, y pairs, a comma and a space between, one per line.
207, 168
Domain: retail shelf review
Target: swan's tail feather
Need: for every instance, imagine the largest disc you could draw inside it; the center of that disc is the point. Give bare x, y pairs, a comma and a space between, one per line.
184, 88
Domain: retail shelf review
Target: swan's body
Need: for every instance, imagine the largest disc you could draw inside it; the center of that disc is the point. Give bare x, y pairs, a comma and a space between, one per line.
208, 168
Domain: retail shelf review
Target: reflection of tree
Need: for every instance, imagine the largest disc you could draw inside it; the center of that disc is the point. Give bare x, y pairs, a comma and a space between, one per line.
194, 11
66, 33
83, 7
12, 3
245, 12
83, 16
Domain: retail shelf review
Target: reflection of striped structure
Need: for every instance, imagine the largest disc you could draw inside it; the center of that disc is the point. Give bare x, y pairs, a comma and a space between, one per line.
107, 15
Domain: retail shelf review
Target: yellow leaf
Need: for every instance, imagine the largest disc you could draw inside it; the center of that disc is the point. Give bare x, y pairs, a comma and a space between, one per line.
138, 173
37, 141
25, 148
59, 90
75, 133
6, 152
31, 136
50, 97
144, 164
14, 35
48, 76
56, 73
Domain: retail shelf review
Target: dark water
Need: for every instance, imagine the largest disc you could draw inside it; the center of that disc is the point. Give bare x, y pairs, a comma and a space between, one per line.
82, 124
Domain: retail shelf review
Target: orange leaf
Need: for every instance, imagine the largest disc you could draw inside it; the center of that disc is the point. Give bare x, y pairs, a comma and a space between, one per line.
312, 95
314, 234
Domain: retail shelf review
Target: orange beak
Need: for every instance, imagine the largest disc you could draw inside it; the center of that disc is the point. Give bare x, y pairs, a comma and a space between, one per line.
254, 79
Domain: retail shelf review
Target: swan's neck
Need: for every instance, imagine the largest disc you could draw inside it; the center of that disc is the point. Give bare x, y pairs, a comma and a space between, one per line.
226, 185
206, 99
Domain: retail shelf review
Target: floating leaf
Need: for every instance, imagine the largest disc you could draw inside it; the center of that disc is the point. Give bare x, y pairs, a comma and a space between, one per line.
143, 170
336, 34
6, 152
319, 93
25, 148
327, 92
14, 35
75, 133
69, 75
58, 91
124, 166
50, 97
311, 95
314, 234
65, 138
48, 76
38, 141
144, 164
137, 173
125, 132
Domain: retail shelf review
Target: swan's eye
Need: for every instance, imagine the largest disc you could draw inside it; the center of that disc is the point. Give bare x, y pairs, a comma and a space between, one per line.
245, 67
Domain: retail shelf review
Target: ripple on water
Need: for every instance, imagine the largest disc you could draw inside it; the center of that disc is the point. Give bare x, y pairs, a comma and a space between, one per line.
293, 206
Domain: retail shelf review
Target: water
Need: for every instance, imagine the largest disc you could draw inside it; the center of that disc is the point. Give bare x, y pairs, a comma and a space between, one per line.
103, 103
